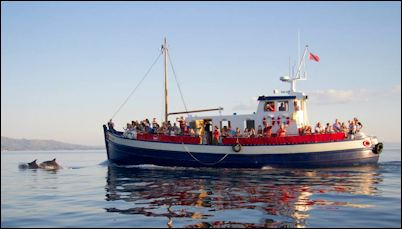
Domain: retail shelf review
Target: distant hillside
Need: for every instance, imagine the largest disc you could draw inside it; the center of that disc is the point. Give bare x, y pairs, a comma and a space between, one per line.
27, 144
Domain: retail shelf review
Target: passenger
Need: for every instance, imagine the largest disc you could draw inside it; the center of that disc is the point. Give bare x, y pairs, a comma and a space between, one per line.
182, 123
144, 127
204, 138
225, 132
186, 130
231, 132
191, 132
208, 132
134, 133
216, 135
337, 126
155, 125
296, 105
306, 130
281, 131
282, 107
352, 129
270, 106
267, 131
329, 129
126, 132
158, 131
246, 133
170, 129
110, 125
176, 130
358, 124
252, 133
238, 133
260, 131
147, 125
197, 131
318, 128
344, 128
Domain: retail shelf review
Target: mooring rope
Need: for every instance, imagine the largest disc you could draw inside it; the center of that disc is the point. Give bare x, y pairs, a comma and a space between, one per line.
204, 163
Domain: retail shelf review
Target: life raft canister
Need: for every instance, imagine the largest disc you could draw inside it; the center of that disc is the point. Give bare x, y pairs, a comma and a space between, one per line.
378, 148
273, 121
287, 120
236, 147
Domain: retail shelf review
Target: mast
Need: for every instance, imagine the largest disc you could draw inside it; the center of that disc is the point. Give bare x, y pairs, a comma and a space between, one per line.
165, 50
294, 77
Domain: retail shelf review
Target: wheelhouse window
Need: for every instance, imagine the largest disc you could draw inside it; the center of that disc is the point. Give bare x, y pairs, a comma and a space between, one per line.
283, 105
269, 107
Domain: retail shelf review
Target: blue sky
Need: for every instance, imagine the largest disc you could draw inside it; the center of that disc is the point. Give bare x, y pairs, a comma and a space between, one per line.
66, 67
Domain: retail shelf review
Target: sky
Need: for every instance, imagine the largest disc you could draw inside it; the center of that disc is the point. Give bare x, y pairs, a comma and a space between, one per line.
66, 67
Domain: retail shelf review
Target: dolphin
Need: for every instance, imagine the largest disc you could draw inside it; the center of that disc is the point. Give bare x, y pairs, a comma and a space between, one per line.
50, 165
29, 165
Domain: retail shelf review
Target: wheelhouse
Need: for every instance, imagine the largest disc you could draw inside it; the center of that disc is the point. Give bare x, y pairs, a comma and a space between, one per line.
291, 110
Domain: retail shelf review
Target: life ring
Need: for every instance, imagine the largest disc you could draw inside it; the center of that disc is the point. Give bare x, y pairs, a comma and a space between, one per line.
366, 143
378, 148
236, 147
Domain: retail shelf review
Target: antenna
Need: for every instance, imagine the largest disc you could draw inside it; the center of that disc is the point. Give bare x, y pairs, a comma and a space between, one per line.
298, 45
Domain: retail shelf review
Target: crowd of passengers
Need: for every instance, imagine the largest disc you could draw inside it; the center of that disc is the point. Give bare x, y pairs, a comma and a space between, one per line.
265, 130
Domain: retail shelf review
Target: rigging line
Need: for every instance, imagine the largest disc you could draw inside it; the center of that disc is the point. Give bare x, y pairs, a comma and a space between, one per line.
177, 83
132, 92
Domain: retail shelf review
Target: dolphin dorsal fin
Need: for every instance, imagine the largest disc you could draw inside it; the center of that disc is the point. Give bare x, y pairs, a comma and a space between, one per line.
54, 159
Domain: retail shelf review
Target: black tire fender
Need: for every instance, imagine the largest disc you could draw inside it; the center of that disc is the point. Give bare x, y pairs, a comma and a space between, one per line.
236, 147
378, 148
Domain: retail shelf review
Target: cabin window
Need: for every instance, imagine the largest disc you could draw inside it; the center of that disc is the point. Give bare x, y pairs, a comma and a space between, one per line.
283, 106
269, 107
250, 124
225, 123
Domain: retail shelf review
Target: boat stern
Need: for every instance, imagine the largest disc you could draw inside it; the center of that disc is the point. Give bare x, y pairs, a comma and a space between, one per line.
374, 144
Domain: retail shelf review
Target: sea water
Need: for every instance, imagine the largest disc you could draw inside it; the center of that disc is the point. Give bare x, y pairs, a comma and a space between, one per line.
88, 192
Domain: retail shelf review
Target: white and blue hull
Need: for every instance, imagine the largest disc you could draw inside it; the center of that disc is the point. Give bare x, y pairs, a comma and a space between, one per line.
124, 151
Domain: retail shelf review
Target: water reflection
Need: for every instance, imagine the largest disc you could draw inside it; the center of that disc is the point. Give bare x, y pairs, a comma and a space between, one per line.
202, 196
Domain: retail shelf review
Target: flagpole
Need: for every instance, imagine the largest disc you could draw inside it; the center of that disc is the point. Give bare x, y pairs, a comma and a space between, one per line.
300, 63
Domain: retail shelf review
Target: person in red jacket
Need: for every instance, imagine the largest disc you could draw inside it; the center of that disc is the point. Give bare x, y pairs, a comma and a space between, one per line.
216, 135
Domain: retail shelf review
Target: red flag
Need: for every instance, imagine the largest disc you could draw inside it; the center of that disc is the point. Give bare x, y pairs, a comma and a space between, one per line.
314, 57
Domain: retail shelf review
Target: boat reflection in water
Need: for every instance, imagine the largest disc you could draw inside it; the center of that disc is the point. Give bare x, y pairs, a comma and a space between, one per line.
235, 197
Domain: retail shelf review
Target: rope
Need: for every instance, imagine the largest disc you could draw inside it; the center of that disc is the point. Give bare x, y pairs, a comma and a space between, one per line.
204, 163
177, 83
132, 92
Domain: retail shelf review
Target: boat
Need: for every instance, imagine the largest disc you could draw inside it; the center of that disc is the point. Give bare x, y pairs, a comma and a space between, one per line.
281, 109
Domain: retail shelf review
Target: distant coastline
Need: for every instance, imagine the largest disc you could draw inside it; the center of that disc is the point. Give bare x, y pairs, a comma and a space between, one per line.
13, 144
